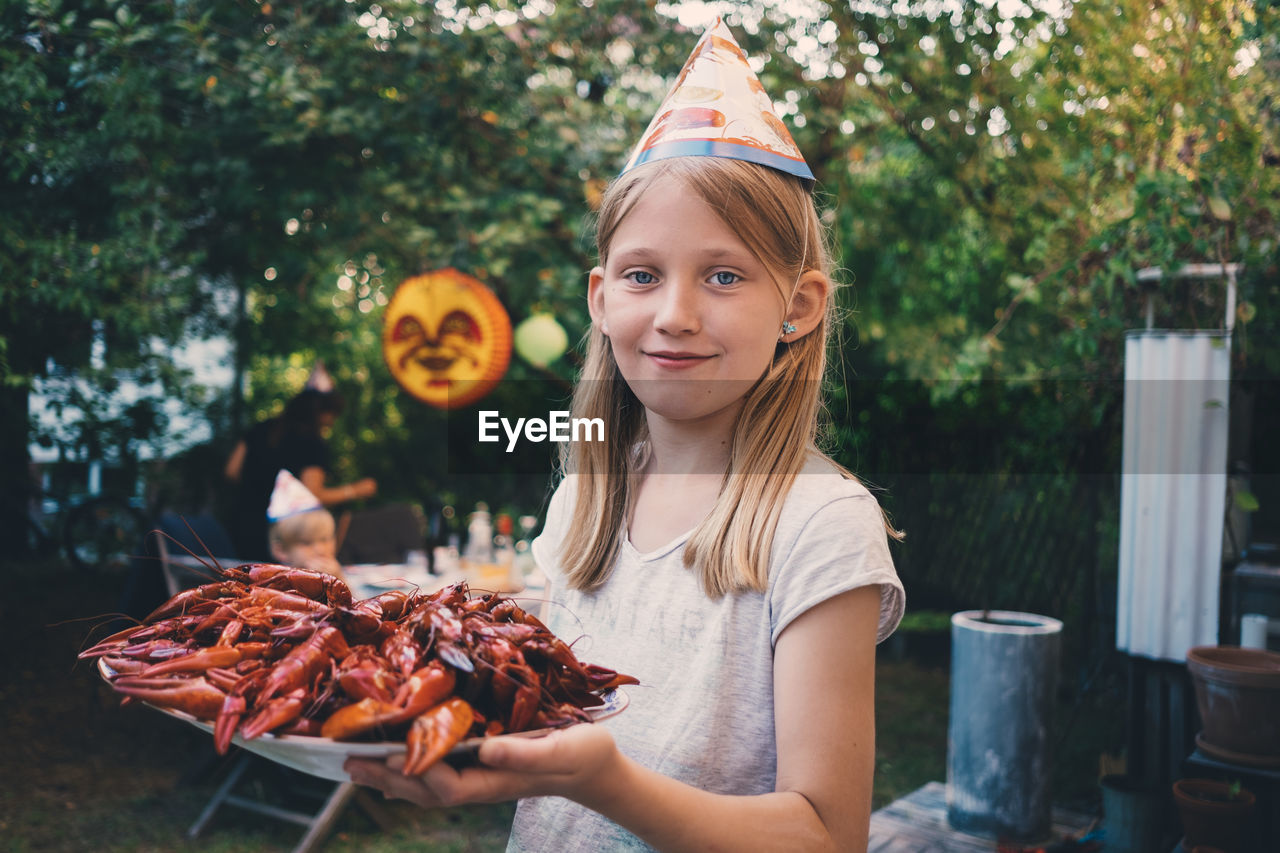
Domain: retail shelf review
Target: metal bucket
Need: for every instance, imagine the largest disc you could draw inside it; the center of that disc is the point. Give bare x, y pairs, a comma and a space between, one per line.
1133, 818
1004, 670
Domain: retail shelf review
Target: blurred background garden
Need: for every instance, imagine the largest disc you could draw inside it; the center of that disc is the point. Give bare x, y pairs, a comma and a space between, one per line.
200, 200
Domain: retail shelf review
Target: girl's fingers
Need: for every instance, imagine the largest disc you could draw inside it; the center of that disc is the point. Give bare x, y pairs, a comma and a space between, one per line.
440, 786
515, 768
472, 785
557, 762
501, 755
549, 755
511, 768
362, 770
393, 784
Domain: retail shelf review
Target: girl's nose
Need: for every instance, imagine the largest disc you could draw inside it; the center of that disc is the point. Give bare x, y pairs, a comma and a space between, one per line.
679, 312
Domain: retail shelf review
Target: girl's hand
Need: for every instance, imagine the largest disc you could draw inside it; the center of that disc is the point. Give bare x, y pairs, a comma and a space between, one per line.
575, 763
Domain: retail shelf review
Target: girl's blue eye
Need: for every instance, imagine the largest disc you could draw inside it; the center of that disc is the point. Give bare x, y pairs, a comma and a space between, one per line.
725, 279
641, 277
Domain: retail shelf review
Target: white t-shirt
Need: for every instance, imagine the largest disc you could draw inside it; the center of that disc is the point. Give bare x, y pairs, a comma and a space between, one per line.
703, 711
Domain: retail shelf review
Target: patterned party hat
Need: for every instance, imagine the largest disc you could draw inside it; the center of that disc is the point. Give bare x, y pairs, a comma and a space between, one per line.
290, 497
718, 108
319, 380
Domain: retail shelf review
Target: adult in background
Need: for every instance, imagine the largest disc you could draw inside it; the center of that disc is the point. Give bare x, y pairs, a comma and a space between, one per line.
294, 441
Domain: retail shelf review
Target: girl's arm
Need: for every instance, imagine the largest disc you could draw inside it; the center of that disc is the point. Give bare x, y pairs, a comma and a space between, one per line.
824, 704
235, 462
313, 478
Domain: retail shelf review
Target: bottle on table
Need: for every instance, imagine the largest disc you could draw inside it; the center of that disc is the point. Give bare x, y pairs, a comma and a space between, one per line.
524, 562
480, 536
504, 552
445, 553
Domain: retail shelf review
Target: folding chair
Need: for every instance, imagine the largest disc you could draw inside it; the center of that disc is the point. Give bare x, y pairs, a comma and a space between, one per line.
318, 824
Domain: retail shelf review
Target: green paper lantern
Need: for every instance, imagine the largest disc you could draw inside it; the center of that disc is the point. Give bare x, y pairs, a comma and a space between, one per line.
540, 340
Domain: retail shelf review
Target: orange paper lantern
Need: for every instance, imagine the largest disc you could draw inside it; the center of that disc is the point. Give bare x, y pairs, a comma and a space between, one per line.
446, 338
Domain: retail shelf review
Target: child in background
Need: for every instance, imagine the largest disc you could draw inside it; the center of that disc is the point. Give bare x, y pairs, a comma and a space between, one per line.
302, 530
706, 547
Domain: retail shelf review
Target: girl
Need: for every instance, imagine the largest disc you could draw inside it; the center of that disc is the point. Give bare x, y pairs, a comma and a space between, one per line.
706, 548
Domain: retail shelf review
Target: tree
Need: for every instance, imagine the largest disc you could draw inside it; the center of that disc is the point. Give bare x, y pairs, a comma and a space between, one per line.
1008, 168
93, 236
993, 176
166, 162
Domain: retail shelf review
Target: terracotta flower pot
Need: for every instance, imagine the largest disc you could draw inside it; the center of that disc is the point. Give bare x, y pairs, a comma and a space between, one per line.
1212, 814
1238, 695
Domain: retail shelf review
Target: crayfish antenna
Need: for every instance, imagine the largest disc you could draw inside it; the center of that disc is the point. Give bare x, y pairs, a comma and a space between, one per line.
108, 620
216, 566
201, 542
210, 563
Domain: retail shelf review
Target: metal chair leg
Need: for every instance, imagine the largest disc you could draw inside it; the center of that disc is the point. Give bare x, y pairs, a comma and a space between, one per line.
219, 796
318, 825
326, 818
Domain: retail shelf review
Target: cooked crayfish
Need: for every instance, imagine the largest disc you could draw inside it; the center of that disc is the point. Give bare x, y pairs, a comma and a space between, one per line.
276, 649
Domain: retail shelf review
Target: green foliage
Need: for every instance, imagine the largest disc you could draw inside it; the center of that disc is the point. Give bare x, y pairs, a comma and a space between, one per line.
1246, 501
1009, 176
927, 621
1002, 182
164, 162
993, 182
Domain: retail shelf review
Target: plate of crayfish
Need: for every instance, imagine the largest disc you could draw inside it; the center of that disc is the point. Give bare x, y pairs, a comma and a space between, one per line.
282, 662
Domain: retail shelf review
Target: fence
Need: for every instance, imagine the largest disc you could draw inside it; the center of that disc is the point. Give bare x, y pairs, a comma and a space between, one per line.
1041, 543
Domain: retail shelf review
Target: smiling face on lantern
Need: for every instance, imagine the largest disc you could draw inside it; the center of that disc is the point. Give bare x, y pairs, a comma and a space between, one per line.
457, 339
446, 338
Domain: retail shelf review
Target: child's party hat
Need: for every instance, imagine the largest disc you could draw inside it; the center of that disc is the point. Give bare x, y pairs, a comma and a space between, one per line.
290, 497
718, 108
319, 380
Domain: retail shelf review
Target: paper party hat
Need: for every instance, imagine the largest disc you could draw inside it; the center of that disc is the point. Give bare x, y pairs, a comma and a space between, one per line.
290, 497
319, 380
718, 108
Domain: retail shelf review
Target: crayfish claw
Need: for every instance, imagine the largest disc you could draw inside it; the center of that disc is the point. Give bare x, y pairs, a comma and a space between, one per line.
436, 732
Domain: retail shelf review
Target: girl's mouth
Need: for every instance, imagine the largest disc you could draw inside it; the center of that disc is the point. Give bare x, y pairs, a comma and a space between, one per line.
672, 360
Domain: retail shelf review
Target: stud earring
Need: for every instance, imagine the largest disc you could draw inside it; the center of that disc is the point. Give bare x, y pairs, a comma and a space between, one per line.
787, 328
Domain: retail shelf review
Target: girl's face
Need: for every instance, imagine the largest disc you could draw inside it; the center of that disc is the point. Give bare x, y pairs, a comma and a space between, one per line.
692, 317
317, 545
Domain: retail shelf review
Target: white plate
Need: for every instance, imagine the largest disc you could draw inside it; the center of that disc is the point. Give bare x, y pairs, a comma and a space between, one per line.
324, 757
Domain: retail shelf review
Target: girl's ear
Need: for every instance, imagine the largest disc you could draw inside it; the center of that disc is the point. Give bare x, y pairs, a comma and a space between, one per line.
595, 299
808, 305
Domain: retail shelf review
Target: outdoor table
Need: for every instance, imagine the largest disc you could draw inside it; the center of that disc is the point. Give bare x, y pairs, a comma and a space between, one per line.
369, 579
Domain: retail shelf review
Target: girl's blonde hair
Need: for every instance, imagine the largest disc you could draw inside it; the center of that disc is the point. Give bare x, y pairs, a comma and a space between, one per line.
774, 215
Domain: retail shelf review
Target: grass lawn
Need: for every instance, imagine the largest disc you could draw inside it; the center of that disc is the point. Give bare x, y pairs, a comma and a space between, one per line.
81, 773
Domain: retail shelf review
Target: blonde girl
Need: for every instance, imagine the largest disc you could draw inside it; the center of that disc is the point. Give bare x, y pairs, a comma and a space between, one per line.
707, 547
